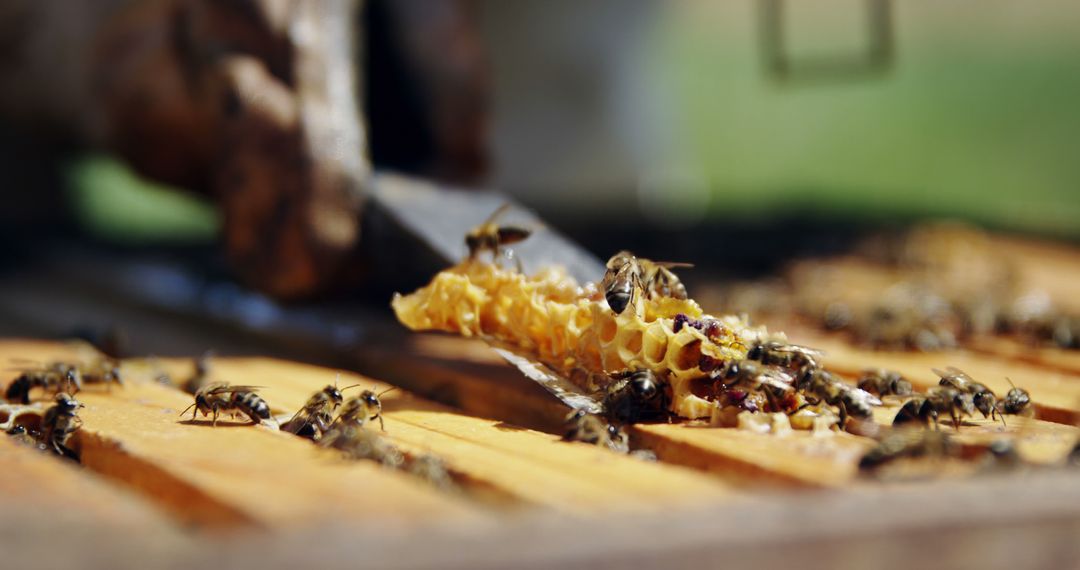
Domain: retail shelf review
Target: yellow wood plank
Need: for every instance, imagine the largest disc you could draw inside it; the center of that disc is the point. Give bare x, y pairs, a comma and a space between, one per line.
524, 464
797, 458
235, 473
56, 487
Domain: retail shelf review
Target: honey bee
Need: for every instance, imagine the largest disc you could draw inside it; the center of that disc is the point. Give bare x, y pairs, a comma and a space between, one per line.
982, 397
57, 376
751, 376
882, 382
201, 376
59, 422
908, 443
220, 397
936, 402
636, 396
791, 356
362, 409
358, 442
318, 413
593, 429
105, 371
627, 274
1016, 401
432, 468
849, 400
490, 236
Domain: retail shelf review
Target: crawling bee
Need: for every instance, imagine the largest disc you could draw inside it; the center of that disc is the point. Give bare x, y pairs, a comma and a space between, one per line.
105, 371
908, 443
982, 397
627, 274
201, 376
362, 409
57, 376
884, 383
636, 396
791, 356
849, 400
432, 468
59, 422
1016, 401
938, 401
593, 429
490, 236
317, 414
220, 397
750, 376
359, 442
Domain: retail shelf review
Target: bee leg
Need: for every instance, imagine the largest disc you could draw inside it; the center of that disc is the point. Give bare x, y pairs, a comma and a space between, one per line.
381, 425
214, 423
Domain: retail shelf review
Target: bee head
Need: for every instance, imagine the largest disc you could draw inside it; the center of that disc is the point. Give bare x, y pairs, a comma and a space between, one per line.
371, 399
756, 352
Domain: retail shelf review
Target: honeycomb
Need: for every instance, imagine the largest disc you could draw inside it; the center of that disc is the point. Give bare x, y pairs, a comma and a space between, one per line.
571, 329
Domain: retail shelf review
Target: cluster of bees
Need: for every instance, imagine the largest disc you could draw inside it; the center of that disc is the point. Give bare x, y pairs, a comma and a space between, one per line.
778, 377
327, 418
60, 420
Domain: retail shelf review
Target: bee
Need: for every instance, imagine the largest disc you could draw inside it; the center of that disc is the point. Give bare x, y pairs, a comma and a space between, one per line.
220, 397
751, 376
883, 382
59, 422
936, 402
982, 397
636, 396
105, 371
317, 414
908, 443
849, 400
791, 356
491, 236
1001, 456
359, 442
57, 376
627, 274
201, 377
432, 468
593, 429
362, 409
1016, 401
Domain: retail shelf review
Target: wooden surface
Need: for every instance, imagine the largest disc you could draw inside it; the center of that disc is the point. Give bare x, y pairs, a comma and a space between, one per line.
239, 495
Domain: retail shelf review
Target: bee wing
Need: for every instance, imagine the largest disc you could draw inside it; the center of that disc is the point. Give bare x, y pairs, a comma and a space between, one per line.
804, 350
513, 234
673, 264
562, 388
228, 388
777, 379
863, 395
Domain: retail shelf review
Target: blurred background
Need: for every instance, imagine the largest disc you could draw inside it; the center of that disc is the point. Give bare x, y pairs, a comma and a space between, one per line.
731, 134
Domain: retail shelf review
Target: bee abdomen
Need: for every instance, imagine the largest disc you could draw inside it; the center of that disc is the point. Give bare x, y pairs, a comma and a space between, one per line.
251, 404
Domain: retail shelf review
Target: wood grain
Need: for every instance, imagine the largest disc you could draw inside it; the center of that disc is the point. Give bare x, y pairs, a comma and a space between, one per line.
234, 474
519, 463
